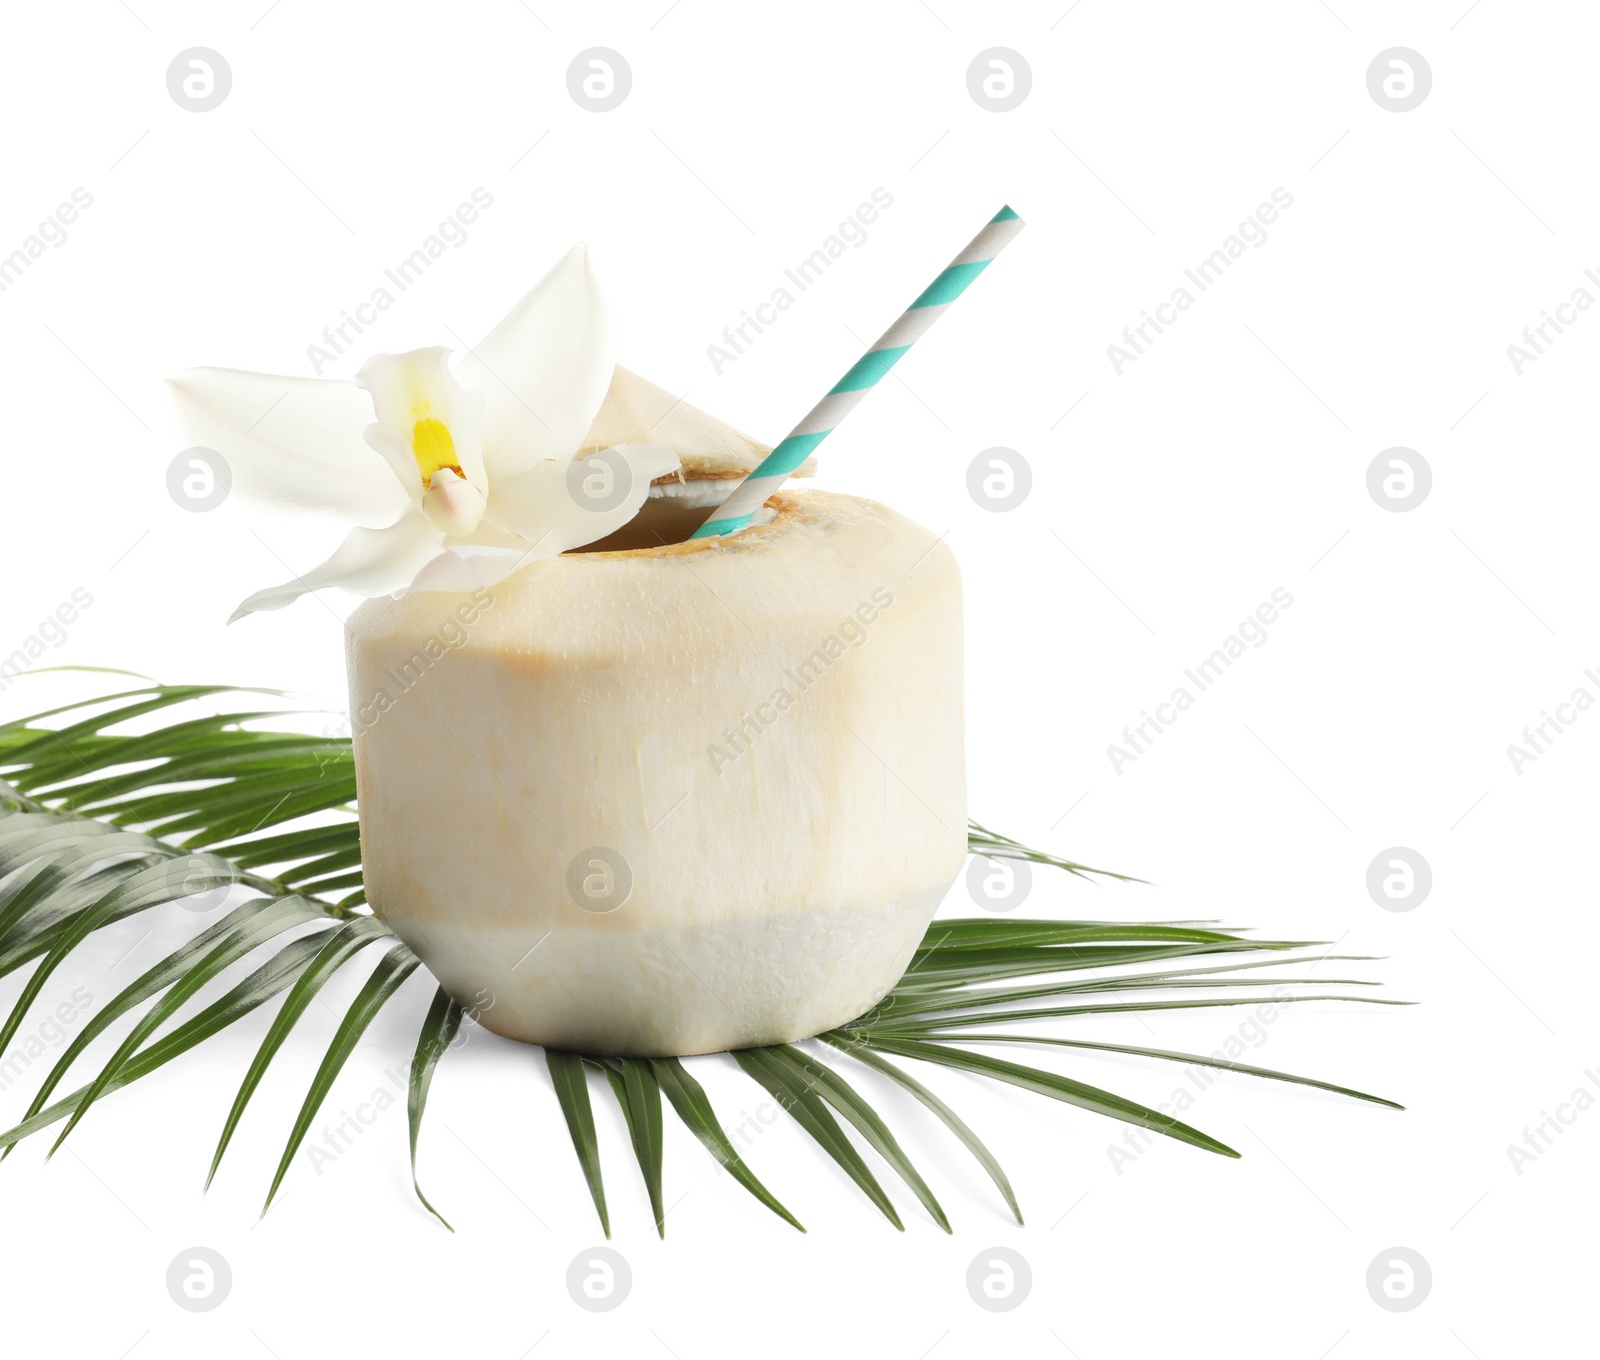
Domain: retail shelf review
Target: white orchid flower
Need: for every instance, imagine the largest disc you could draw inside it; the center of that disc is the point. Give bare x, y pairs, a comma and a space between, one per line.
463, 477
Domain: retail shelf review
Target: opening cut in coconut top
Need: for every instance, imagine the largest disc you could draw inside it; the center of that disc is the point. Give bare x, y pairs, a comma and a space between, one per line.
670, 517
714, 458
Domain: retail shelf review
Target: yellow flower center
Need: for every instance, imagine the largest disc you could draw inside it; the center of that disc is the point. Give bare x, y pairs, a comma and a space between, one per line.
434, 449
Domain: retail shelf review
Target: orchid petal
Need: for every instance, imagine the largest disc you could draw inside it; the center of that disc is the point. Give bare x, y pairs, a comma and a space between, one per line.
452, 505
395, 450
556, 506
289, 443
439, 421
368, 562
489, 535
465, 569
543, 371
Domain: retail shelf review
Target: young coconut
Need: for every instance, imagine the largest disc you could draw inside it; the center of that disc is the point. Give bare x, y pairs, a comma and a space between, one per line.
678, 798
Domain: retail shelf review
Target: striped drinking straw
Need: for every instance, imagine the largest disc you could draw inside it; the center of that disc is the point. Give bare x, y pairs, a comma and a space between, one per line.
749, 496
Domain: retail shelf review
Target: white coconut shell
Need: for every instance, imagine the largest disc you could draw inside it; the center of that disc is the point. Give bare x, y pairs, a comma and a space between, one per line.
766, 729
636, 411
713, 458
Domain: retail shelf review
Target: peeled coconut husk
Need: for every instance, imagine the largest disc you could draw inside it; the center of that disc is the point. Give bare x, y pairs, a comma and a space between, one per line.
714, 458
761, 734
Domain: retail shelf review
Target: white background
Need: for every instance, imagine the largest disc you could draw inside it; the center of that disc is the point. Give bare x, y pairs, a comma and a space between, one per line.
1228, 460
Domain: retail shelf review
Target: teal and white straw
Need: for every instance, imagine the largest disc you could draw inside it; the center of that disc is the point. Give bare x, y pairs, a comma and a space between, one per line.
749, 496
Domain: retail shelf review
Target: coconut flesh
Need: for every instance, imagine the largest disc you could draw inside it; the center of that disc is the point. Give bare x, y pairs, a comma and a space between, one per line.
659, 797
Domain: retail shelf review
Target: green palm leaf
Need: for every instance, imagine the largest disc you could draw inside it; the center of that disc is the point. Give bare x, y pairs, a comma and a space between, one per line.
261, 986
1110, 1008
115, 805
568, 1074
844, 1098
992, 845
634, 1084
392, 970
66, 857
1057, 1087
341, 944
62, 914
146, 888
1167, 1055
693, 1107
439, 1028
914, 1006
951, 1120
791, 1088
142, 988
255, 929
